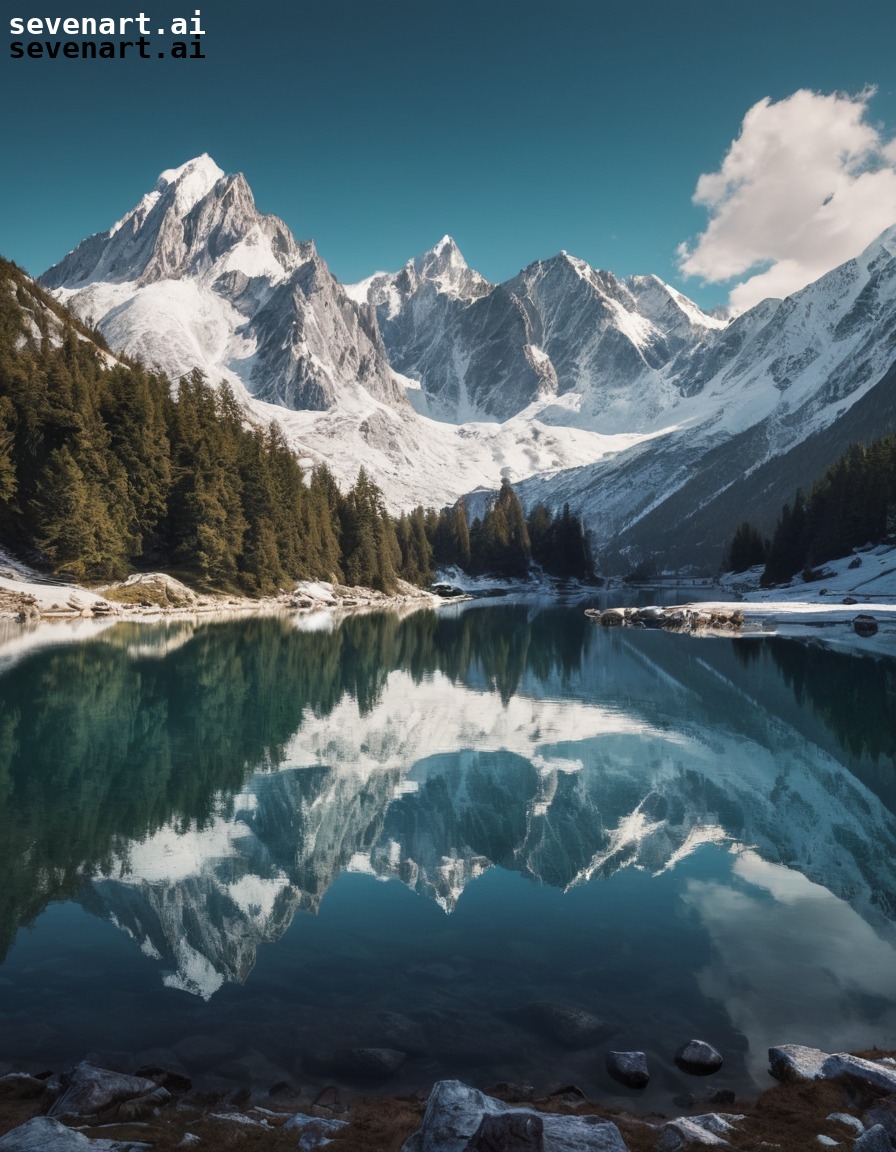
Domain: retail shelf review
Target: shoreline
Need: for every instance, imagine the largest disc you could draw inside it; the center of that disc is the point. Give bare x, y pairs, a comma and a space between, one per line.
867, 627
157, 596
814, 1098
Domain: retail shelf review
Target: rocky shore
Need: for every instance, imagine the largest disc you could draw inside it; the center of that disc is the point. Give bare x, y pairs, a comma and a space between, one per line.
702, 618
869, 627
820, 1100
154, 595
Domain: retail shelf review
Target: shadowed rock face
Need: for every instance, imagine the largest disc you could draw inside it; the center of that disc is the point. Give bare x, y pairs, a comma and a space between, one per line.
484, 351
195, 268
714, 421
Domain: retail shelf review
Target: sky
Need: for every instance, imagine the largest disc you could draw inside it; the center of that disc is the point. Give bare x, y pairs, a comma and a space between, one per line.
735, 150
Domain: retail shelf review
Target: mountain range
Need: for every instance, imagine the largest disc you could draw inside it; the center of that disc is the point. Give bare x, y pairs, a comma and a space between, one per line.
663, 425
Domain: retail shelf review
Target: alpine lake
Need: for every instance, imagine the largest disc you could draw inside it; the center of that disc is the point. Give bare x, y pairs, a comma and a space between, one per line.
492, 838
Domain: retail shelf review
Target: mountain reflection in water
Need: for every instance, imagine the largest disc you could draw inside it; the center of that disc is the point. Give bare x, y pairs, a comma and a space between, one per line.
198, 785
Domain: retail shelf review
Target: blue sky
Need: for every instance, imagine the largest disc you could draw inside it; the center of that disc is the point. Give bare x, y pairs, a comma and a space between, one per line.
520, 128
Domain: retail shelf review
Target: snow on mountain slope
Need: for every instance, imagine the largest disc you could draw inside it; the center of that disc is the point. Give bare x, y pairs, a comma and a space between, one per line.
619, 396
485, 351
777, 378
194, 276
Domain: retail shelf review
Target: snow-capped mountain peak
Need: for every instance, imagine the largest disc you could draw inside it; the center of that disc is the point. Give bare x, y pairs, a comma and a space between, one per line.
444, 267
192, 181
668, 307
195, 276
611, 394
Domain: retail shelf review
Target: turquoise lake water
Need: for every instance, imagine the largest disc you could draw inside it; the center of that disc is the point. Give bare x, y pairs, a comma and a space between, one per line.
242, 846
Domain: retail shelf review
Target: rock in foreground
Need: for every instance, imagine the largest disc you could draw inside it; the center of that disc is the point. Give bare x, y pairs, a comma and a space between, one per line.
791, 1063
42, 1134
455, 1112
628, 1068
698, 1058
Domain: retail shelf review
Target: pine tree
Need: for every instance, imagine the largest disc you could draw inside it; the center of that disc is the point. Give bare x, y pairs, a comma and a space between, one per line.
747, 549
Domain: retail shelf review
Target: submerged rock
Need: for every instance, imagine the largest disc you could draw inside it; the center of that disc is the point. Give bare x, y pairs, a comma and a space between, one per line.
571, 1027
628, 1068
372, 1063
698, 1058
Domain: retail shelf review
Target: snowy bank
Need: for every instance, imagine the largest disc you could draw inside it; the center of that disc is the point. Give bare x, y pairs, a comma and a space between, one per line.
848, 603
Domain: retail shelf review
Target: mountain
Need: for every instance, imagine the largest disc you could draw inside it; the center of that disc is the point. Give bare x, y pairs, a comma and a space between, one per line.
664, 426
486, 352
760, 409
195, 276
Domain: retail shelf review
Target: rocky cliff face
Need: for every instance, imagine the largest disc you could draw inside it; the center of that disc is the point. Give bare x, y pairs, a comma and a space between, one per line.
619, 396
195, 276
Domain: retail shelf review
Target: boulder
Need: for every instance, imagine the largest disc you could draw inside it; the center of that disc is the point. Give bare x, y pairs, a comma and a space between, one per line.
509, 1132
45, 1135
454, 1113
698, 1058
868, 1072
314, 1132
21, 1086
852, 1122
874, 1140
864, 625
176, 1082
883, 1112
707, 1131
628, 1068
794, 1062
571, 1027
87, 1090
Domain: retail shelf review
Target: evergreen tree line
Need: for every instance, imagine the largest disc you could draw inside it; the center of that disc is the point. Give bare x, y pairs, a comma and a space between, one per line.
853, 504
103, 471
504, 542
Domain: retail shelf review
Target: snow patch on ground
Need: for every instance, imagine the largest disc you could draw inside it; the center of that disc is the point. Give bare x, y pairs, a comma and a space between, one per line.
815, 609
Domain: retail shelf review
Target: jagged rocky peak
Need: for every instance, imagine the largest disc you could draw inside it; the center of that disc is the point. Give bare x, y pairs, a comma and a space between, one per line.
195, 218
441, 270
190, 182
195, 276
668, 308
444, 267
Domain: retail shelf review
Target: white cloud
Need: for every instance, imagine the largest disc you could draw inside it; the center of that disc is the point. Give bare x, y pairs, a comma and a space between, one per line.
807, 185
